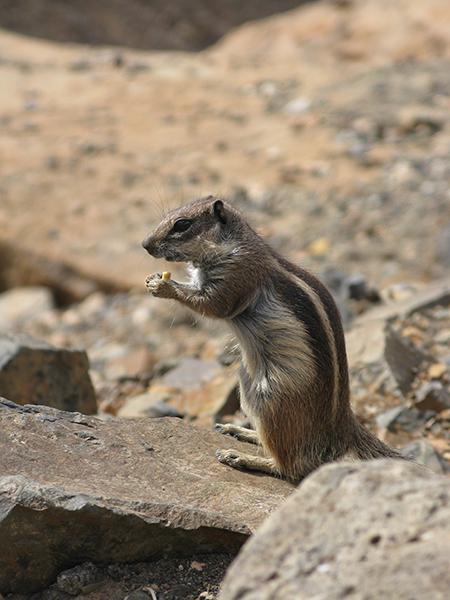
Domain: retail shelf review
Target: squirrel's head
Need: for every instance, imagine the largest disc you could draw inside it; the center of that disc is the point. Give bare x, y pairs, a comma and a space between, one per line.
192, 233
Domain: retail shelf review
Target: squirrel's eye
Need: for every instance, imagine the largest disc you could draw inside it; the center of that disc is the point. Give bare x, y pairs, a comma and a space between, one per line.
181, 225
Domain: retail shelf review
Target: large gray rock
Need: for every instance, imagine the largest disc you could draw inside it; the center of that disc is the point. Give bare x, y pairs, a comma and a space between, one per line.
379, 529
76, 488
33, 372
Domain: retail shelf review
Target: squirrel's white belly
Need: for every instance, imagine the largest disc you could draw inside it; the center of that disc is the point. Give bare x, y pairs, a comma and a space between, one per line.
275, 346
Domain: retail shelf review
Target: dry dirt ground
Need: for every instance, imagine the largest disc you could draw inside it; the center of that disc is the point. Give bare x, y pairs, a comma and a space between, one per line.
329, 126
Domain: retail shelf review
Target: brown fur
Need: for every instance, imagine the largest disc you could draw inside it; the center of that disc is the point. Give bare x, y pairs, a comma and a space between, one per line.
294, 374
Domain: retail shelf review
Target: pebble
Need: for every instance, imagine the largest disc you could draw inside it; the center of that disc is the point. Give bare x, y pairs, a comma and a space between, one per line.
432, 396
437, 370
403, 418
80, 579
423, 453
297, 106
191, 373
138, 595
21, 304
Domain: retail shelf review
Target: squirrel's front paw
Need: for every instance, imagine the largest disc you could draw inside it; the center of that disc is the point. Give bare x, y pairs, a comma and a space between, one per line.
159, 287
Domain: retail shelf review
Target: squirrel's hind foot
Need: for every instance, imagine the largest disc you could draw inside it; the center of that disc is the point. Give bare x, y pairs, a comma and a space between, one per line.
238, 460
240, 433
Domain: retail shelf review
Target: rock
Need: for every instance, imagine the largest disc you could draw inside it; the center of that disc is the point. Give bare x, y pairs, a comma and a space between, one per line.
398, 292
424, 454
80, 579
335, 280
202, 389
18, 305
419, 120
231, 402
319, 247
191, 373
211, 402
377, 529
403, 357
386, 419
22, 267
359, 289
297, 106
432, 396
139, 595
33, 372
436, 370
443, 246
131, 363
150, 404
403, 418
116, 491
162, 409
366, 340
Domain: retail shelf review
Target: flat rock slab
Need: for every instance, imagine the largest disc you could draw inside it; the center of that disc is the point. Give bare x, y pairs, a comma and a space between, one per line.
75, 488
378, 529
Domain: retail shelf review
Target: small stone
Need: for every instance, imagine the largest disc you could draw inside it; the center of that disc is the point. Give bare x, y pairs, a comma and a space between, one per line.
19, 305
387, 418
162, 409
398, 292
443, 337
80, 65
191, 373
423, 453
297, 106
132, 362
92, 305
138, 595
404, 358
443, 246
401, 417
179, 592
79, 579
319, 247
437, 370
211, 401
420, 121
432, 396
413, 333
151, 404
359, 289
197, 566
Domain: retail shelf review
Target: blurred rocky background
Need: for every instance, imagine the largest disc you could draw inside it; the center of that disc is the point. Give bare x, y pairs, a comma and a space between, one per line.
327, 124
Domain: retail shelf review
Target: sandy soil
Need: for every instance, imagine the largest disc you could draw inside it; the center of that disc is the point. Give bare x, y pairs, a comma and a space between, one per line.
317, 123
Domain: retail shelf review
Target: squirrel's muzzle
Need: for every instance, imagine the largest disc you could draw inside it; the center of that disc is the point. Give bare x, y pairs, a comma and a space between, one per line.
151, 246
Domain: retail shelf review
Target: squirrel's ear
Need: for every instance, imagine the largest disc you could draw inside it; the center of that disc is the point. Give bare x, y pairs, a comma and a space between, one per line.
219, 211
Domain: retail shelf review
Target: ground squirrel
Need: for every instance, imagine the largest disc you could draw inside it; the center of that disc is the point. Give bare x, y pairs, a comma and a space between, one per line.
294, 383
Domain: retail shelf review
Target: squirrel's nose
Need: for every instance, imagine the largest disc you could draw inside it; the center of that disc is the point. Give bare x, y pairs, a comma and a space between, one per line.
150, 245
